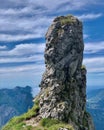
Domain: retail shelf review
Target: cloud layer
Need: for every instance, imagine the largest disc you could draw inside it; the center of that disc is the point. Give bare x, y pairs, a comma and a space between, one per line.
94, 65
94, 47
26, 19
22, 22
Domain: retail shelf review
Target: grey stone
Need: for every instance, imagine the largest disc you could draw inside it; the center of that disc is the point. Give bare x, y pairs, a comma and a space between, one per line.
64, 82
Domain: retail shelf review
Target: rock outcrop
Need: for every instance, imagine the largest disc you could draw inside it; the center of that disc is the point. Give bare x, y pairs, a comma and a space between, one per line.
61, 103
63, 86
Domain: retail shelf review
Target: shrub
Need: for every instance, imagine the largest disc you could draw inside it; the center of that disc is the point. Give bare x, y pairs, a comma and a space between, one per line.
66, 20
83, 67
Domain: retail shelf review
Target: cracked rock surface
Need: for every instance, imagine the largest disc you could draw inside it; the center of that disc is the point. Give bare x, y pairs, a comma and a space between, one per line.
63, 85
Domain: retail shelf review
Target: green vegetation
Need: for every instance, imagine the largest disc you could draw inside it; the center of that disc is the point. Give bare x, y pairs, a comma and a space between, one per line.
83, 67
19, 123
52, 124
66, 20
44, 124
47, 122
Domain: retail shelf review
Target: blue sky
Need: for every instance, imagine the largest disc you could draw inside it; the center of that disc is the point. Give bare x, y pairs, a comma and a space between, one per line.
23, 24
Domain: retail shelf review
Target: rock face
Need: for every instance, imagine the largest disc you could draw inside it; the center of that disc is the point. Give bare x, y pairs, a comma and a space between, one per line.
14, 102
63, 86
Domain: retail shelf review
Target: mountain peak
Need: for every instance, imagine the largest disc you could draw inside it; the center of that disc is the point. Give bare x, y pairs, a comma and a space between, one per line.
63, 86
14, 102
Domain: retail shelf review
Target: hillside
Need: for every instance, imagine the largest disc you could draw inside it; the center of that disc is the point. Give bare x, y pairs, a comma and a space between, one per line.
95, 105
14, 102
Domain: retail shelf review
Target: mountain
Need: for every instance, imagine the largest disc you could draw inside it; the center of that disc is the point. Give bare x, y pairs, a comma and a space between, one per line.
95, 105
14, 102
61, 103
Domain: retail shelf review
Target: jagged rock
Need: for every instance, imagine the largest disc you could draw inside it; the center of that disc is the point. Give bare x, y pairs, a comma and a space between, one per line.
63, 85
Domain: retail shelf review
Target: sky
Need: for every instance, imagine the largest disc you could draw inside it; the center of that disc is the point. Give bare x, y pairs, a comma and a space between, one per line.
23, 25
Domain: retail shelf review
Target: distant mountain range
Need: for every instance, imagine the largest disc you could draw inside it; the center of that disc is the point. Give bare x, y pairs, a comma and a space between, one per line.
14, 102
95, 105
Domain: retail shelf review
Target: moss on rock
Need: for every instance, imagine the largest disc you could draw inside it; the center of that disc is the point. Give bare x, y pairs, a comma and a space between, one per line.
66, 19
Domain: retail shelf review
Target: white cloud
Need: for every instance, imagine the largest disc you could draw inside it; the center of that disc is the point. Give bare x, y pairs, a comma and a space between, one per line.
94, 64
26, 19
94, 47
90, 16
36, 68
24, 50
34, 58
3, 47
9, 37
26, 28
65, 5
16, 11
31, 18
29, 28
23, 53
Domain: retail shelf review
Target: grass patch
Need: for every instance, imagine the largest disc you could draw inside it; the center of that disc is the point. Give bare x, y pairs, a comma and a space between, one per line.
66, 19
47, 122
52, 124
17, 123
44, 124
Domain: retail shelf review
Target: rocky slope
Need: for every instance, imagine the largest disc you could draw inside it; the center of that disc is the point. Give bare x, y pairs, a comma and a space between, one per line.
14, 102
63, 86
95, 105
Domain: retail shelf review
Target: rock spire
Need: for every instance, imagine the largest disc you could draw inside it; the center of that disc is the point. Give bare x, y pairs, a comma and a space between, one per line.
63, 85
